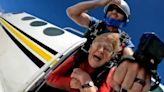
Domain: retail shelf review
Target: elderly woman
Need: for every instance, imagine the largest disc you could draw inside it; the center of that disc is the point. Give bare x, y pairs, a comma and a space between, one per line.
102, 50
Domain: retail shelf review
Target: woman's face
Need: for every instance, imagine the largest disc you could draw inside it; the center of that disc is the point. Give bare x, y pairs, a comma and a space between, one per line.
100, 53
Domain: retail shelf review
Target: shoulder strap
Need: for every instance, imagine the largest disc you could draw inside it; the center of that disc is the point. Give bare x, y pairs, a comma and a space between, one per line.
91, 33
101, 73
124, 38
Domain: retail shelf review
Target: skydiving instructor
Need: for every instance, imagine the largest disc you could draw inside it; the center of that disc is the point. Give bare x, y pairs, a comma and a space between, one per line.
128, 76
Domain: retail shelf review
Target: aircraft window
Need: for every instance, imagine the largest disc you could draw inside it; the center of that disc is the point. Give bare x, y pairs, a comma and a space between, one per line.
15, 12
52, 31
38, 23
28, 18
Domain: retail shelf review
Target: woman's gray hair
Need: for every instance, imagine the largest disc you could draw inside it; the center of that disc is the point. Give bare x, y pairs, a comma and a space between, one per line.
113, 38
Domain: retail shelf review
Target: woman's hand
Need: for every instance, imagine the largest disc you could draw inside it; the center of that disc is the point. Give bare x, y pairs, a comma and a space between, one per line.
80, 75
75, 83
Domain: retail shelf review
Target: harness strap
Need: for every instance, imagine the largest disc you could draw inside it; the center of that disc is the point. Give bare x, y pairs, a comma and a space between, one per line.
124, 58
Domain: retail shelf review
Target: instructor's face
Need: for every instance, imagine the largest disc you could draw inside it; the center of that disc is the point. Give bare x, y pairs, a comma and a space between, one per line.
115, 13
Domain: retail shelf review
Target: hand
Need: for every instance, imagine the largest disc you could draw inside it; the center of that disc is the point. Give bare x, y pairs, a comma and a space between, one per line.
105, 2
126, 74
80, 75
116, 1
75, 83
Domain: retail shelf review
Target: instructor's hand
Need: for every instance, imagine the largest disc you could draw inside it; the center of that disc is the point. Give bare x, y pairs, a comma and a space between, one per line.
130, 76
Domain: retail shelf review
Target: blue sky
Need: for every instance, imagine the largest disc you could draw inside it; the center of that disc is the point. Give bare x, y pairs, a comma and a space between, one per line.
146, 15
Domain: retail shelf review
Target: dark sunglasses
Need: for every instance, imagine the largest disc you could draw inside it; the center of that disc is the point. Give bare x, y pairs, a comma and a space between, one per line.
114, 7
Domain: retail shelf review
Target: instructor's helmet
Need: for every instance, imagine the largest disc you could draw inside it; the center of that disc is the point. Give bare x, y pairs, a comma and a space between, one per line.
122, 6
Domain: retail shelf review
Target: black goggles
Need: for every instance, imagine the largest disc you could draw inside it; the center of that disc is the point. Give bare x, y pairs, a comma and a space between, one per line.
115, 7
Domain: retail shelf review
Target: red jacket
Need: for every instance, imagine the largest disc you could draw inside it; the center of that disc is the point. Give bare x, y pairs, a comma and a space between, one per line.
60, 79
